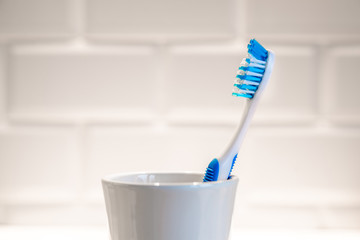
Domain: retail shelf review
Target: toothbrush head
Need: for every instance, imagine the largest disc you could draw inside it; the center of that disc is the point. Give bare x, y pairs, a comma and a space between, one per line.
251, 71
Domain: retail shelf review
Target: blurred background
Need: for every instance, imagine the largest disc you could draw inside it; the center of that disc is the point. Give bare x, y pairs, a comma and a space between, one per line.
92, 87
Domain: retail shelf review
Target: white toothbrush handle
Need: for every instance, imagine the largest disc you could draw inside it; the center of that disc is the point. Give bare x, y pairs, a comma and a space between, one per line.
226, 159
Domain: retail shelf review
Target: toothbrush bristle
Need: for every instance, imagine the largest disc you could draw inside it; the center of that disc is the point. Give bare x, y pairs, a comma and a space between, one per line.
251, 71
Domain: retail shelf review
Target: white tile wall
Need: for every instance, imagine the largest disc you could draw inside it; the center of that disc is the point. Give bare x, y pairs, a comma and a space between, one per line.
199, 82
292, 92
80, 80
38, 164
342, 217
344, 63
2, 85
153, 92
124, 149
56, 214
300, 166
303, 17
204, 74
22, 18
143, 148
276, 217
161, 18
2, 215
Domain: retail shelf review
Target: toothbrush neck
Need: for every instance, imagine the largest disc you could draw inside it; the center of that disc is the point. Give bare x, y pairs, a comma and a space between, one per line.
239, 136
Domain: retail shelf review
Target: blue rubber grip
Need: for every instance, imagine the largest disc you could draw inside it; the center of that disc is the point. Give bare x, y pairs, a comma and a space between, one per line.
212, 171
232, 166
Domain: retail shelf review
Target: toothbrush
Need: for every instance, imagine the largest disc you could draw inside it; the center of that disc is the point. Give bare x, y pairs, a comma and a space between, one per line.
251, 80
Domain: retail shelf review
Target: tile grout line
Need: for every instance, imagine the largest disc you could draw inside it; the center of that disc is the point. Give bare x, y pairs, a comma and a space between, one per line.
323, 67
3, 92
160, 95
81, 137
6, 76
241, 19
320, 67
78, 17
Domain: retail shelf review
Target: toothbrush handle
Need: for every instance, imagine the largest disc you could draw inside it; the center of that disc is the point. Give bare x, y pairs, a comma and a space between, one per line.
233, 147
227, 158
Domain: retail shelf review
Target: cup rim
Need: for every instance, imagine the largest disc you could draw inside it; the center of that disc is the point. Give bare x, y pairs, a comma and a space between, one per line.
109, 179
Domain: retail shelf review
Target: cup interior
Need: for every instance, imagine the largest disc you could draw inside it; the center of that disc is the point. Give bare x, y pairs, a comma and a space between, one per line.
158, 179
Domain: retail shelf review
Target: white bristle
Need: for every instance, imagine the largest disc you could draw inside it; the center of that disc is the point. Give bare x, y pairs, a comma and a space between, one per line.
238, 90
255, 60
241, 72
241, 82
256, 65
244, 63
238, 81
253, 74
250, 83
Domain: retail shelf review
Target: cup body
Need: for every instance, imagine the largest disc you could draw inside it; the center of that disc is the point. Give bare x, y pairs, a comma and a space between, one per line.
168, 206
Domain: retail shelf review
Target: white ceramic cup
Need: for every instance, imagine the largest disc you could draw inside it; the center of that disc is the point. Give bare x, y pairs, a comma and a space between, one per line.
168, 206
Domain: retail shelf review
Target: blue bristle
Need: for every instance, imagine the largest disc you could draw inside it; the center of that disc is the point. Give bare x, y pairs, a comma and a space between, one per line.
257, 52
250, 78
248, 87
258, 45
242, 95
252, 69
